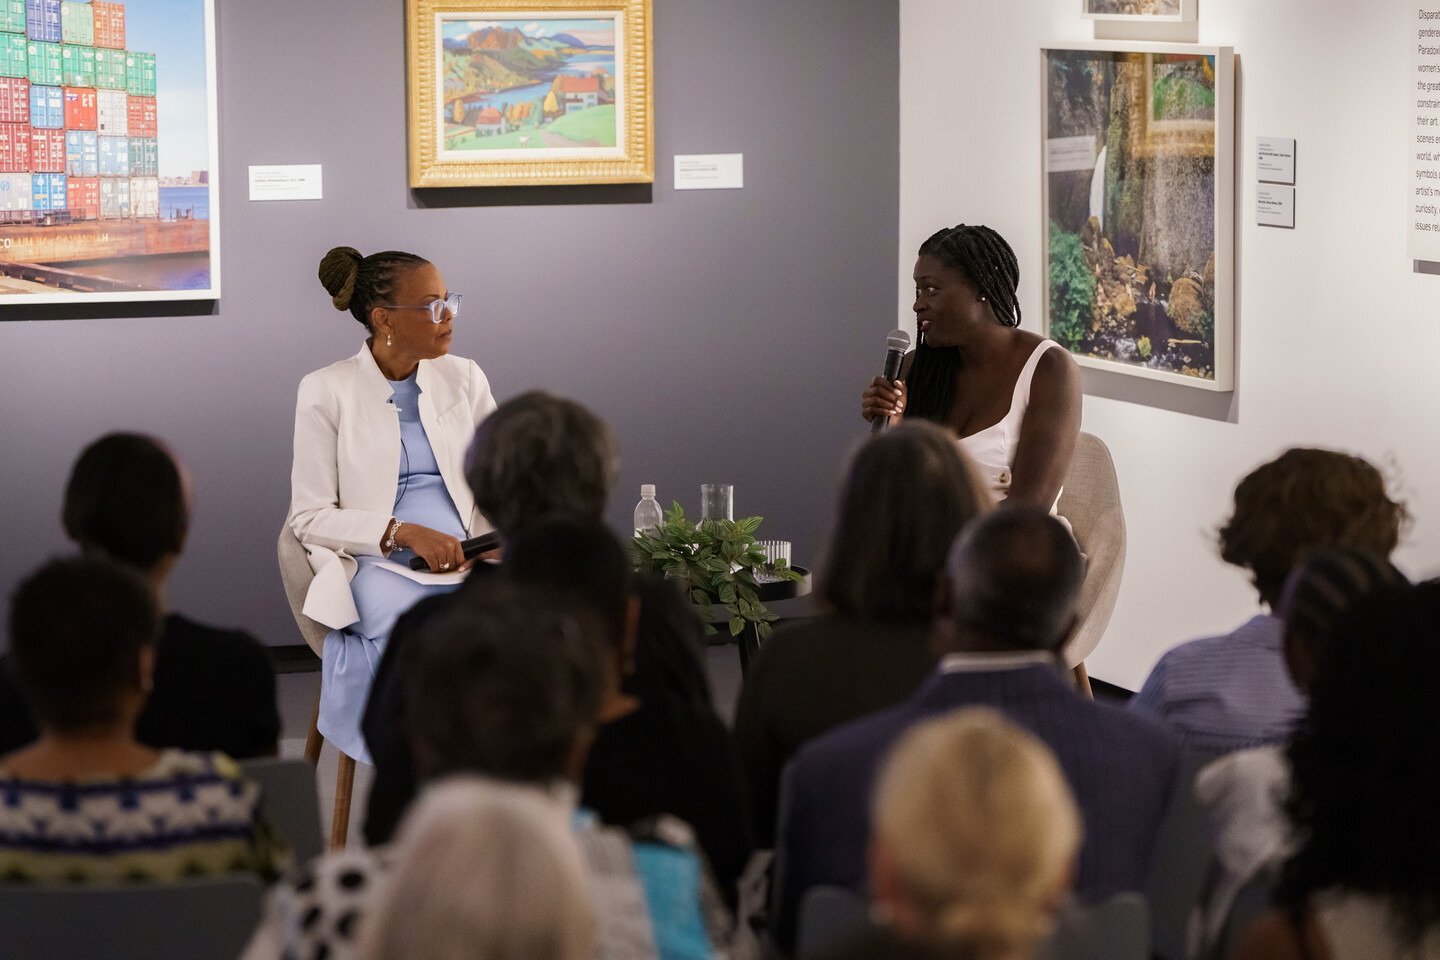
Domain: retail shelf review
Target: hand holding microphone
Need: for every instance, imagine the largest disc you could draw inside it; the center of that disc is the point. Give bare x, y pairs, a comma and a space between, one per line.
886, 395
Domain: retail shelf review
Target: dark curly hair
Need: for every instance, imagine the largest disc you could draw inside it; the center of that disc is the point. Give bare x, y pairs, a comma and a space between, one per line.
987, 263
1301, 501
1365, 786
360, 284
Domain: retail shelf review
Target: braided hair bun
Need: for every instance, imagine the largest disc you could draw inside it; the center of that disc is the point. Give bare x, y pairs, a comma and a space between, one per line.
338, 270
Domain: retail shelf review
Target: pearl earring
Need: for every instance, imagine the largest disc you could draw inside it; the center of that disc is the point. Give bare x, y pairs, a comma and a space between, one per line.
388, 341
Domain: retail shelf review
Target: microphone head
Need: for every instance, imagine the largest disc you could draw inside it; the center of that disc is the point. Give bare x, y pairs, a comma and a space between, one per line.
898, 340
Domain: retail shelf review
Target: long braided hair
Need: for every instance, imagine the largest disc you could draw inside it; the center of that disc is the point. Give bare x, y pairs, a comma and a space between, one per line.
983, 258
359, 284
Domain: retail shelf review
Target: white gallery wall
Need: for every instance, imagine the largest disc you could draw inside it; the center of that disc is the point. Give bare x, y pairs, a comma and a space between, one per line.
1338, 336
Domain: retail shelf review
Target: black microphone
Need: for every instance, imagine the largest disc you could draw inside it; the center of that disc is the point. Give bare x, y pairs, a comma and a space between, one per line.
472, 547
896, 346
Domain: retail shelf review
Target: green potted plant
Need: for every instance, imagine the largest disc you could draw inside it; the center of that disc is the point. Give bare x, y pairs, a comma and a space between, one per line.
715, 563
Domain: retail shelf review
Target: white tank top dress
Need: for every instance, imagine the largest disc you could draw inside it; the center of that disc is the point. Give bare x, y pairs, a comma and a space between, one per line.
992, 450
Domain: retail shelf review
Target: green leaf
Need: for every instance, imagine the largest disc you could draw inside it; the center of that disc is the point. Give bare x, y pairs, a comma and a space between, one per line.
763, 631
737, 626
749, 525
727, 593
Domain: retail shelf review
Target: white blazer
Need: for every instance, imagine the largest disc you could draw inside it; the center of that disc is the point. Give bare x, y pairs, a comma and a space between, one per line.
347, 464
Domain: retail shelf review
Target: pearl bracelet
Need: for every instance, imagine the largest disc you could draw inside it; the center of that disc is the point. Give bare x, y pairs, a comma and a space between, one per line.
390, 540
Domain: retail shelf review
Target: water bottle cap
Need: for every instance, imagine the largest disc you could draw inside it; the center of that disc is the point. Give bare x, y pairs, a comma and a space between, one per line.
647, 490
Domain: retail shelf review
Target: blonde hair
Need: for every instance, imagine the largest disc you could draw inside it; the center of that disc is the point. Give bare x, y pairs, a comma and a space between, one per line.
981, 829
487, 871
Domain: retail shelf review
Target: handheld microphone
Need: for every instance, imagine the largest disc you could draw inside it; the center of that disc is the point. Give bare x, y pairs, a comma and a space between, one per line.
473, 547
896, 346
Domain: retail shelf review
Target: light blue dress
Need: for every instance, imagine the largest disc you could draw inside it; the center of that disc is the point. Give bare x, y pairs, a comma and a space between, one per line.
351, 656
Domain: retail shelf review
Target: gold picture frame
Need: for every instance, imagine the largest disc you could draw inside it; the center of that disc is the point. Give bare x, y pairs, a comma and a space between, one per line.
529, 92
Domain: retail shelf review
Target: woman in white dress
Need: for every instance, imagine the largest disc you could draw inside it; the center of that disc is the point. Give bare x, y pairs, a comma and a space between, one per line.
1012, 397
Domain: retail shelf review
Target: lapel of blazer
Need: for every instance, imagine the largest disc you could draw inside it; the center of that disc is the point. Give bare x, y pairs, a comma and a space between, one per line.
379, 431
437, 395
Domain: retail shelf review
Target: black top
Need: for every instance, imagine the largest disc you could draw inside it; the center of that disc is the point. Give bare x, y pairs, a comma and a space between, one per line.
673, 757
814, 675
214, 690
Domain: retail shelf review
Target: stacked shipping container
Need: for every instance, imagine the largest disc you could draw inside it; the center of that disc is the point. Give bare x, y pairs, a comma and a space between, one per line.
78, 120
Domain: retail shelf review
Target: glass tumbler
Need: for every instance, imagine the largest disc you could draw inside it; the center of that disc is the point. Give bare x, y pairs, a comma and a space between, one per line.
717, 501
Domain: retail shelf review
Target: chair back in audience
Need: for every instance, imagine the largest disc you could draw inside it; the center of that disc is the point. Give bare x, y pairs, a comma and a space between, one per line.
1180, 862
1090, 500
296, 574
203, 919
289, 802
829, 917
1118, 929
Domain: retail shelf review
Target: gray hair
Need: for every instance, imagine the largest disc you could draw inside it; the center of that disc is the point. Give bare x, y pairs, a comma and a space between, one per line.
538, 454
487, 871
1015, 574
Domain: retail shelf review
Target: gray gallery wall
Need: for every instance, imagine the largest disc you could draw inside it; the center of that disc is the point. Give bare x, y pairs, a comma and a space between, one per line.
725, 334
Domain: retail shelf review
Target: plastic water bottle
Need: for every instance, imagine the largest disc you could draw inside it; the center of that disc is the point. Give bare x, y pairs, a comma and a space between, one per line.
648, 515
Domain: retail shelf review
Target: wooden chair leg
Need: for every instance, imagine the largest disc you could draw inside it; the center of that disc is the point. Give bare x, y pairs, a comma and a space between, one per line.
344, 785
313, 740
1082, 680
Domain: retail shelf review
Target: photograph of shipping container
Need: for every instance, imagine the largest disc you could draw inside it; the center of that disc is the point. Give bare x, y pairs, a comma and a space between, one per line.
16, 191
46, 63
15, 147
82, 153
48, 192
77, 65
12, 16
14, 100
114, 156
114, 198
77, 23
109, 25
113, 115
110, 69
142, 117
42, 20
144, 198
14, 55
140, 74
144, 157
82, 197
47, 151
47, 107
81, 112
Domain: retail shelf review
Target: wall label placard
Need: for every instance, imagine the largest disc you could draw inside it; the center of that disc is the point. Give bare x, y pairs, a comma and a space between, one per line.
1275, 160
1423, 188
709, 171
1274, 205
286, 181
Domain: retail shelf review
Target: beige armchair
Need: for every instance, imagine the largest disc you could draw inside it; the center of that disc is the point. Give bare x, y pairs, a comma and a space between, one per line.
1091, 502
296, 574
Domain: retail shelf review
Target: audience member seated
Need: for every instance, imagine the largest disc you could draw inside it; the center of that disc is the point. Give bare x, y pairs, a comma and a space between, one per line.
1365, 880
506, 683
129, 500
974, 843
490, 871
657, 753
905, 497
535, 455
1244, 792
1231, 692
1004, 611
87, 803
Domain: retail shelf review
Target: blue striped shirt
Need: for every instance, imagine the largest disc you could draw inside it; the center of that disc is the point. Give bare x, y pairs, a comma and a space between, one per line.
1225, 693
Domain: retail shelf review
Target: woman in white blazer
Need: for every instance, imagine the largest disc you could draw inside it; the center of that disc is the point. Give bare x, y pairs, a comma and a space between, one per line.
379, 473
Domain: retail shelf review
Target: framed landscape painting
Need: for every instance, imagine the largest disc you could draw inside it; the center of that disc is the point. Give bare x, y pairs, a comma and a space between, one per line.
1145, 11
108, 187
518, 92
1139, 198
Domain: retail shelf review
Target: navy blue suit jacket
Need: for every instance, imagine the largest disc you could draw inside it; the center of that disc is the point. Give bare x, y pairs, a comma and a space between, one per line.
1121, 767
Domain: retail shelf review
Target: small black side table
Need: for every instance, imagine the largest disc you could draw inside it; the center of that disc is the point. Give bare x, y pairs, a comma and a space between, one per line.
749, 638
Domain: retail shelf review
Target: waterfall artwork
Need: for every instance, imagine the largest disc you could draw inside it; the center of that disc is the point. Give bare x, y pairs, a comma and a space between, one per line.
1139, 210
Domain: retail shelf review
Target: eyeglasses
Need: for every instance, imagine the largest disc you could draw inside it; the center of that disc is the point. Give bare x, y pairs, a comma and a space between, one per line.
437, 308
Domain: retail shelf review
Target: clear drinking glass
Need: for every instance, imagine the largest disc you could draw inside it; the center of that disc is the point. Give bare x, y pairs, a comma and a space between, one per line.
717, 501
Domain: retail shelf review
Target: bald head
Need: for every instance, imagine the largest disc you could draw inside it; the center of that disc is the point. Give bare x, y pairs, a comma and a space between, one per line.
1013, 580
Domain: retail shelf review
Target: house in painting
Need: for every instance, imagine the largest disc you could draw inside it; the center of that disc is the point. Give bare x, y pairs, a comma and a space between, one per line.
489, 122
579, 93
